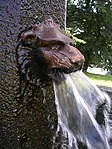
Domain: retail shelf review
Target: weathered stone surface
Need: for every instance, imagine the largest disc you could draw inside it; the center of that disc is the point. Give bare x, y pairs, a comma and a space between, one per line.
27, 110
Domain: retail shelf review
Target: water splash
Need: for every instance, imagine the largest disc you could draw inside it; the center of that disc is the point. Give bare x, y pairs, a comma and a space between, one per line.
77, 100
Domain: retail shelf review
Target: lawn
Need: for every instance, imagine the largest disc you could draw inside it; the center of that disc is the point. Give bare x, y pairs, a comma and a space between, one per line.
103, 80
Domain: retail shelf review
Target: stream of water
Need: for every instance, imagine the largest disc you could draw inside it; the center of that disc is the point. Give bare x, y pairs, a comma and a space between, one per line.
77, 101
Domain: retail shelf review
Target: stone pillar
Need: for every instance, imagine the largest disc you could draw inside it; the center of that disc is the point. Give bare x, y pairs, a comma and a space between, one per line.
27, 111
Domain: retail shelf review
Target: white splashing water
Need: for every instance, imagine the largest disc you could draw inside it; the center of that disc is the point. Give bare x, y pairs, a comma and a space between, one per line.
77, 100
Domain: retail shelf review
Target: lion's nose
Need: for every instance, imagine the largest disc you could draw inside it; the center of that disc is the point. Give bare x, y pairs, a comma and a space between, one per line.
75, 58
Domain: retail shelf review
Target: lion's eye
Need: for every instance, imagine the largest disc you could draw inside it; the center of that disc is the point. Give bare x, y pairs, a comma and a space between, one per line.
28, 38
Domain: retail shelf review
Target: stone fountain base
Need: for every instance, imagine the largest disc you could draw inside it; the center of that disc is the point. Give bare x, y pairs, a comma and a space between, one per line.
108, 90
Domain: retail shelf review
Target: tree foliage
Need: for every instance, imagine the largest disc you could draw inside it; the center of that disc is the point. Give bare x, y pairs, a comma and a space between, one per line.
91, 21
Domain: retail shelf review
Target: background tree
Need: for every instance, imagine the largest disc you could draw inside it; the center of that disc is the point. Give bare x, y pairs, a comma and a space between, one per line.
91, 21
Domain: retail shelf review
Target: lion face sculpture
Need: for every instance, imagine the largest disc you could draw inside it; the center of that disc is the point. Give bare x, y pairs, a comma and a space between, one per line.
53, 48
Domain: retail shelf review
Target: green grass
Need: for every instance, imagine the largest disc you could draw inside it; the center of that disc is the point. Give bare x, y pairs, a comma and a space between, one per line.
103, 80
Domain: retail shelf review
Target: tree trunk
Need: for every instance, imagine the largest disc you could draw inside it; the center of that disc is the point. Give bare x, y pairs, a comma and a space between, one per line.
87, 56
27, 110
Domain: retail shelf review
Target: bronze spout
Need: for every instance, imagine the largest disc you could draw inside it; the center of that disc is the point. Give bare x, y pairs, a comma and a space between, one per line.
53, 47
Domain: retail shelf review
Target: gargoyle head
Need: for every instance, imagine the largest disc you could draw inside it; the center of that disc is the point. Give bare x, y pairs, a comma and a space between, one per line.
52, 47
